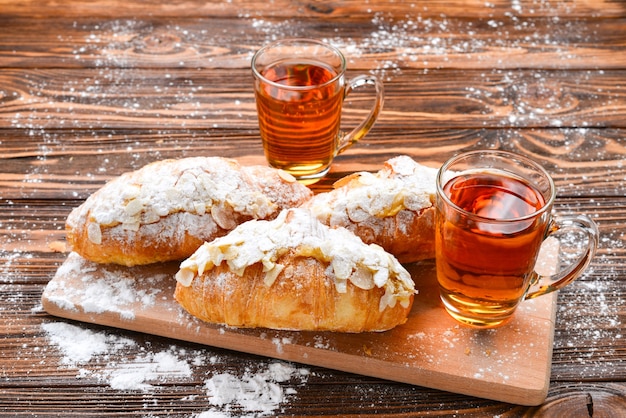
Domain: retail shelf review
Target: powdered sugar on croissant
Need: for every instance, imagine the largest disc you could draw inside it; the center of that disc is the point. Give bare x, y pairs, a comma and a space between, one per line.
165, 210
295, 251
393, 207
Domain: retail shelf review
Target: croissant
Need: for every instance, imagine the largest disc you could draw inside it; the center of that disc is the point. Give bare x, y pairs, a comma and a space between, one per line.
294, 273
167, 209
392, 208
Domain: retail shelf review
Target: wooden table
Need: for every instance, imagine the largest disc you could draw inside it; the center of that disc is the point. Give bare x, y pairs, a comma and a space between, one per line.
92, 89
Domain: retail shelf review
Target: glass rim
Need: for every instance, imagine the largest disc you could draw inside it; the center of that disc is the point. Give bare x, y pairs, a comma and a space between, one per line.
510, 156
296, 41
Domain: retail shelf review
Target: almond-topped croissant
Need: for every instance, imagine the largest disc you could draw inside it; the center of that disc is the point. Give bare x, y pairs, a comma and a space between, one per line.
392, 208
295, 273
167, 209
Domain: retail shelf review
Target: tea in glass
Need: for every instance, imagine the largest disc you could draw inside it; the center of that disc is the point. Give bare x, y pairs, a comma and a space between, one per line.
300, 88
493, 214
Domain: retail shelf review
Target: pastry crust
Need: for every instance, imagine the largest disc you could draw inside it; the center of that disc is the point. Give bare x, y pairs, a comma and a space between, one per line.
295, 273
392, 208
167, 209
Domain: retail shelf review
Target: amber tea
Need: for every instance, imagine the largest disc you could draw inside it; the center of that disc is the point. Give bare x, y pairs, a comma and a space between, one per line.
300, 88
300, 127
486, 261
493, 214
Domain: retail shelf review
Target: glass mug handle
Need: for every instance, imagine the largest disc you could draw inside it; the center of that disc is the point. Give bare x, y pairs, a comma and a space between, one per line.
563, 226
349, 139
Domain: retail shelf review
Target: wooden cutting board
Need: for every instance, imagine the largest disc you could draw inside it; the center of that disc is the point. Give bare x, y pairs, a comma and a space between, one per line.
509, 364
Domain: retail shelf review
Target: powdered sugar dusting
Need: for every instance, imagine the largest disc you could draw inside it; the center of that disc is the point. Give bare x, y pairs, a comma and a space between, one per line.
101, 290
591, 316
193, 185
256, 389
401, 184
255, 241
254, 392
422, 40
80, 345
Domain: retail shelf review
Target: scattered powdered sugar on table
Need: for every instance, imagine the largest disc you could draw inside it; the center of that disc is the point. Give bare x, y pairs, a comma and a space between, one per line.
254, 392
150, 367
256, 389
80, 346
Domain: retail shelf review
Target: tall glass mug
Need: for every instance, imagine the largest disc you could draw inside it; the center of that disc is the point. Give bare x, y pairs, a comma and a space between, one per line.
493, 214
300, 87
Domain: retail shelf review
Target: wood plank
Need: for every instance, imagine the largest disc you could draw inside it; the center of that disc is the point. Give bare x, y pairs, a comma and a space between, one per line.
36, 100
348, 9
431, 349
75, 163
360, 398
376, 41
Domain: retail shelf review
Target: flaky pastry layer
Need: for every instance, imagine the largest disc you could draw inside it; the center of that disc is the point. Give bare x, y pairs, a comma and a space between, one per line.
298, 274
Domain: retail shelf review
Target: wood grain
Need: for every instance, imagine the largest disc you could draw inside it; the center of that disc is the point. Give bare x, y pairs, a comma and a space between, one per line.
383, 42
191, 99
74, 163
347, 10
91, 89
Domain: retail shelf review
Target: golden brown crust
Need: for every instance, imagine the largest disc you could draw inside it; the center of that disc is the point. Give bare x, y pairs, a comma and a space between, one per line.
302, 297
167, 209
295, 273
408, 235
392, 208
149, 244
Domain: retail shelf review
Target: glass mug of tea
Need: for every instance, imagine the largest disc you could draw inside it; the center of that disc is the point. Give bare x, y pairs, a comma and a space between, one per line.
300, 86
493, 214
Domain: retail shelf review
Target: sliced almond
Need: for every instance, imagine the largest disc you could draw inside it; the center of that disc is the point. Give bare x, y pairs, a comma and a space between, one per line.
286, 176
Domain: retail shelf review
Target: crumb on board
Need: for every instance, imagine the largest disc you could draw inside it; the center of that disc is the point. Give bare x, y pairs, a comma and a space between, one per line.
367, 350
57, 246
